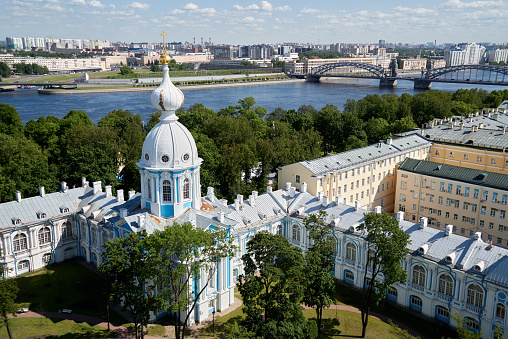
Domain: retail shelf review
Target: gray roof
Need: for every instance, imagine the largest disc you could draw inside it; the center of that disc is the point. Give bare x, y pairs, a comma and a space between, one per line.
483, 138
463, 174
365, 155
53, 205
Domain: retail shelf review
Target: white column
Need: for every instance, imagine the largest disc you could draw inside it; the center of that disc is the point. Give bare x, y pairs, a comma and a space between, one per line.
156, 190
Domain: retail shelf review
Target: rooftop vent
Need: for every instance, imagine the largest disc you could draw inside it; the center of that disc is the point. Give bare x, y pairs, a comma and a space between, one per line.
41, 191
377, 209
131, 194
123, 213
119, 195
423, 222
423, 249
304, 187
448, 230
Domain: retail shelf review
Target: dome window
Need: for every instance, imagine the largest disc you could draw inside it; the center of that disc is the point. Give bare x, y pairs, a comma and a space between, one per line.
147, 157
165, 158
186, 157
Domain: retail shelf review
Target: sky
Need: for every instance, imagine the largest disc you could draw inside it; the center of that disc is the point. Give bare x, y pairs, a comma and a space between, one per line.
253, 22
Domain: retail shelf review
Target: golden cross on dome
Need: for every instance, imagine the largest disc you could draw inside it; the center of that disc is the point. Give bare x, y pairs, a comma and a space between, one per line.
164, 59
164, 35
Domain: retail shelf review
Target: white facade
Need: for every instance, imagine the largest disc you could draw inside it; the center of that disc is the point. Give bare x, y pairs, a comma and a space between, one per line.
57, 64
465, 54
497, 55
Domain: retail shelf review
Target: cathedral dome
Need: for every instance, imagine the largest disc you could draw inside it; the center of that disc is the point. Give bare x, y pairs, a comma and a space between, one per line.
169, 145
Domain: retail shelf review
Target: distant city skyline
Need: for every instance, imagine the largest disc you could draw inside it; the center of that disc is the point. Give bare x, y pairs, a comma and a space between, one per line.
254, 22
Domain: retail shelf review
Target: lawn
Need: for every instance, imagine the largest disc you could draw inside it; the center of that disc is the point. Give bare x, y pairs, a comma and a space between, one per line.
56, 328
67, 285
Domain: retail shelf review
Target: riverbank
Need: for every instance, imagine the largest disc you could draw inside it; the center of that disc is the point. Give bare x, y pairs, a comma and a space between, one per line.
92, 90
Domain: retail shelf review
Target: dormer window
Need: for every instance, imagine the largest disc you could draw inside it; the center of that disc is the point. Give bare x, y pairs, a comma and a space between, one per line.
41, 215
450, 258
64, 210
479, 266
423, 249
16, 221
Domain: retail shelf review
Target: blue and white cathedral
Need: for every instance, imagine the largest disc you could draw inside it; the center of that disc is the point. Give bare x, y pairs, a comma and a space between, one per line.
447, 273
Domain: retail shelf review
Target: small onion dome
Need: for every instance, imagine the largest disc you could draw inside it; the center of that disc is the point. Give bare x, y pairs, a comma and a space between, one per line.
164, 59
167, 98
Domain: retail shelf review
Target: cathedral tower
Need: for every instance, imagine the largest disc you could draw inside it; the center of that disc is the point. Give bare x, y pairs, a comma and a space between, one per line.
169, 164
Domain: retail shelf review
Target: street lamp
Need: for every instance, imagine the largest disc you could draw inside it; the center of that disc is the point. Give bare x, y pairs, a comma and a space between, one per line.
214, 295
107, 308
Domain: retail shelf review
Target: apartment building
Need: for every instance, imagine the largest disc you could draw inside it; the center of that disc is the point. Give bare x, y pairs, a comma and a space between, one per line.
414, 64
362, 177
478, 141
471, 200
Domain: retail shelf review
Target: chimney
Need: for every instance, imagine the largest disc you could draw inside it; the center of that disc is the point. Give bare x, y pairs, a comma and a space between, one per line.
119, 195
480, 125
325, 202
303, 188
131, 194
389, 141
97, 187
268, 188
357, 205
209, 193
320, 196
292, 192
41, 191
504, 130
108, 191
63, 185
255, 194
220, 216
252, 200
400, 216
141, 221
448, 230
338, 199
84, 183
237, 205
423, 222
377, 209
240, 198
478, 236
123, 212
18, 196
287, 186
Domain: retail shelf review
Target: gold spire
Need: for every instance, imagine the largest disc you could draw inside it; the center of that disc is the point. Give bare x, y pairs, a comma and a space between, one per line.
164, 60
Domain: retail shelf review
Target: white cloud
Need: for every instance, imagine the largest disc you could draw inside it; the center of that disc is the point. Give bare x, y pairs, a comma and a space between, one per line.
176, 11
415, 11
77, 2
54, 7
309, 11
284, 8
95, 3
138, 5
248, 19
457, 4
191, 6
266, 6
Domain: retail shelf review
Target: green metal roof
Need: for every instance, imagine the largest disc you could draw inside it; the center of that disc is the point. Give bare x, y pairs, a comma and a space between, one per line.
467, 175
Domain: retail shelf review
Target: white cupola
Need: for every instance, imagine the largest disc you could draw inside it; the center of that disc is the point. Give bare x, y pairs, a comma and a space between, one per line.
169, 163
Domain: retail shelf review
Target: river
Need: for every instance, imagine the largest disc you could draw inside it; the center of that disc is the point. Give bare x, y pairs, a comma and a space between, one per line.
31, 105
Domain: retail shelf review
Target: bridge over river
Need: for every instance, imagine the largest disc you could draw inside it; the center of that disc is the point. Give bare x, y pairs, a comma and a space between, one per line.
470, 74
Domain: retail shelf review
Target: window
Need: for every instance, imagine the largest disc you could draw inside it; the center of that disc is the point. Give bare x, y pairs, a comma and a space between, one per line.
351, 251
458, 190
475, 295
492, 161
94, 235
416, 301
321, 182
431, 197
402, 208
482, 223
345, 188
483, 210
450, 188
370, 257
439, 213
403, 185
440, 200
446, 284
23, 265
357, 183
448, 201
441, 187
46, 258
44, 236
494, 197
474, 207
352, 185
349, 275
419, 275
476, 192
455, 217
504, 199
491, 225
457, 203
66, 230
392, 292
502, 214
466, 192
296, 233
471, 323
279, 229
447, 214
451, 155
500, 311
466, 157
186, 189
492, 212
297, 179
149, 186
442, 311
166, 191
465, 205
479, 159
436, 152
19, 242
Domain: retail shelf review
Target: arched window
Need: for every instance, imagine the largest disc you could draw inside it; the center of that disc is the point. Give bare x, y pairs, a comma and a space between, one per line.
66, 230
442, 311
44, 236
19, 242
23, 265
94, 235
186, 189
149, 187
94, 256
46, 258
349, 276
166, 191
279, 230
416, 301
419, 275
296, 233
471, 323
445, 284
370, 257
475, 295
500, 311
351, 251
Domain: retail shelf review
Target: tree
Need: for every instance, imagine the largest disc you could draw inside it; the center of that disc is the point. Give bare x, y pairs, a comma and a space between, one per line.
182, 254
386, 245
10, 122
129, 273
8, 293
126, 70
319, 260
155, 68
272, 288
5, 70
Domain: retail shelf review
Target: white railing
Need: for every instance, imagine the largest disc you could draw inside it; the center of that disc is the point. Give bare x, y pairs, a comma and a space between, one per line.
417, 286
473, 308
444, 296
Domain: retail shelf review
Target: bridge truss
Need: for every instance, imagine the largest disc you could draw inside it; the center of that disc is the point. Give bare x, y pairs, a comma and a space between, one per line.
437, 72
377, 71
